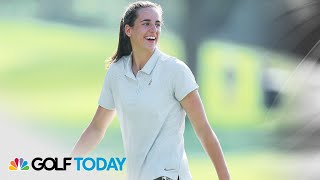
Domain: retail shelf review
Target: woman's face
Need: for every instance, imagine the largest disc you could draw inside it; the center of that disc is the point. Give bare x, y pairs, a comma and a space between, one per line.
145, 33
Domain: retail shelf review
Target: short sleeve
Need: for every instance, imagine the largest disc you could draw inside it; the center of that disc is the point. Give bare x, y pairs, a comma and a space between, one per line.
106, 97
183, 81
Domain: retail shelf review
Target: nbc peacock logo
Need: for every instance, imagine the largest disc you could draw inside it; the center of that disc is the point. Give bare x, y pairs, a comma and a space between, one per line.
19, 164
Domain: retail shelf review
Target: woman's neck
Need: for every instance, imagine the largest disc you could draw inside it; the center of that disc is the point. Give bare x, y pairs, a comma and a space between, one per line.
139, 59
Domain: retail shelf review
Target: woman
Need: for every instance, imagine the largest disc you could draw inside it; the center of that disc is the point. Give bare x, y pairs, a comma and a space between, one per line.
151, 92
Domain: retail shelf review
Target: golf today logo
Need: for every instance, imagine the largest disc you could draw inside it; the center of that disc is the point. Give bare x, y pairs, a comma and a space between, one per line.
86, 164
19, 164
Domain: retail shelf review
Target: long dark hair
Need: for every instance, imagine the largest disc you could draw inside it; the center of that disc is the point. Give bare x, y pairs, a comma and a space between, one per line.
129, 17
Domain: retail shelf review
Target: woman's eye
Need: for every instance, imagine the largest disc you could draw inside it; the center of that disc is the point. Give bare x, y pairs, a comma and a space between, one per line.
158, 25
146, 24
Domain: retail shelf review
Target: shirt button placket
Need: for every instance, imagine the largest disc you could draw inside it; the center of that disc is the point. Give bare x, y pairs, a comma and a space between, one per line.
138, 83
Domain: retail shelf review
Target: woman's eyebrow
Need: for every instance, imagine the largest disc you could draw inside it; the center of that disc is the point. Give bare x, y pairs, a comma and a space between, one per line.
148, 20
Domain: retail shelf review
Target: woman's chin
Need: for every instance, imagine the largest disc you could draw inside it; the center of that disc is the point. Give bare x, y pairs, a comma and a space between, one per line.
150, 47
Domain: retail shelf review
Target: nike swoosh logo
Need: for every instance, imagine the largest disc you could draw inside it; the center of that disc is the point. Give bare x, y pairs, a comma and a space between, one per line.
168, 169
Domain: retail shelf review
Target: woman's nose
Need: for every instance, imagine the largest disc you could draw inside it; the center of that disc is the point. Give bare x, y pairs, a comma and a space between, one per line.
153, 28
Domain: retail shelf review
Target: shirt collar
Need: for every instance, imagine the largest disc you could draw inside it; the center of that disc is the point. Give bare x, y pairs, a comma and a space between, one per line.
147, 68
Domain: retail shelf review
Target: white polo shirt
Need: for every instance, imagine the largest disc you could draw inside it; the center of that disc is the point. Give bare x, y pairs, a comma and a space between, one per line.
151, 118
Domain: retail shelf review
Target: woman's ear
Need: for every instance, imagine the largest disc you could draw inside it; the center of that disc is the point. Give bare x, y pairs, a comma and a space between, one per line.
127, 30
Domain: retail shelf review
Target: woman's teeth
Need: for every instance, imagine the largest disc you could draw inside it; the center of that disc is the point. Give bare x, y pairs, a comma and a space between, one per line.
150, 38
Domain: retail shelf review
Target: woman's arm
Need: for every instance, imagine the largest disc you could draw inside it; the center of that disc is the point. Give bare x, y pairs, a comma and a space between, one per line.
94, 133
193, 106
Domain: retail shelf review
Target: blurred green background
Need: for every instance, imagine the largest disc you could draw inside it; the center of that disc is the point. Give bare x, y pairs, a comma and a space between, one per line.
52, 74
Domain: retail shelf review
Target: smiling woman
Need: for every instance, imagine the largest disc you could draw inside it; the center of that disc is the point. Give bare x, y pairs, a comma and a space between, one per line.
134, 29
151, 93
144, 35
